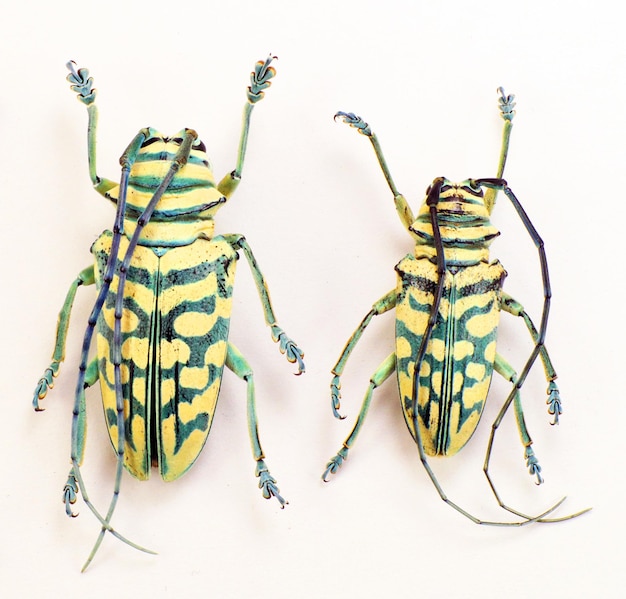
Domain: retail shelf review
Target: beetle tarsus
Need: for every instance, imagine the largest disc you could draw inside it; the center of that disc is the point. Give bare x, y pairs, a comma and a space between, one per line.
260, 79
554, 402
46, 382
335, 394
267, 484
532, 463
507, 105
70, 493
81, 83
354, 121
335, 463
289, 348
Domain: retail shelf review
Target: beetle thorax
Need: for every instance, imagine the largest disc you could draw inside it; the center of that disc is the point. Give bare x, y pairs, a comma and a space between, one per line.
464, 225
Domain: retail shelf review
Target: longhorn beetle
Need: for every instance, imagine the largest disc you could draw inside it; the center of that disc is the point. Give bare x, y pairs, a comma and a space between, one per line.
448, 300
162, 312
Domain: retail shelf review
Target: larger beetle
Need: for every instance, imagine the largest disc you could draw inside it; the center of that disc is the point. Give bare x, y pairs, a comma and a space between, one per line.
162, 313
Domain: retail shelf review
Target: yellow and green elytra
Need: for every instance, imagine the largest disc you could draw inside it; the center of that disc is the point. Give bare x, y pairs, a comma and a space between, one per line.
162, 314
447, 300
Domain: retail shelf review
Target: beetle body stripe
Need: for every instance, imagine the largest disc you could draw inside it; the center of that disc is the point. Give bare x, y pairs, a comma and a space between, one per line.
456, 371
175, 324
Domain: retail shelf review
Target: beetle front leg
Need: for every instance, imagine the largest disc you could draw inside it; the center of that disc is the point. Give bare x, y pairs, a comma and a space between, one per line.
383, 372
385, 303
82, 84
267, 483
259, 82
286, 345
46, 382
402, 207
507, 112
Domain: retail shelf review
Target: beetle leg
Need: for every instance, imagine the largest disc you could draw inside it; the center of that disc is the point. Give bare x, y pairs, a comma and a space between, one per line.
286, 345
259, 82
74, 480
71, 488
402, 207
383, 372
267, 483
385, 303
82, 84
503, 368
507, 112
46, 382
452, 504
513, 307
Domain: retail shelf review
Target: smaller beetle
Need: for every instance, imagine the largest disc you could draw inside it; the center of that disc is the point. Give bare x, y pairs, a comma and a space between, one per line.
448, 300
162, 313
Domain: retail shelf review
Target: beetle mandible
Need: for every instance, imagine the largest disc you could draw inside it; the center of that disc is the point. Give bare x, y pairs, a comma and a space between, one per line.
447, 303
162, 312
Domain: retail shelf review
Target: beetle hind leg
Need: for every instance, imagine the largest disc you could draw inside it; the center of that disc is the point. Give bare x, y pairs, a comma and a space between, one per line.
384, 304
455, 506
72, 488
525, 518
504, 369
267, 483
384, 371
75, 483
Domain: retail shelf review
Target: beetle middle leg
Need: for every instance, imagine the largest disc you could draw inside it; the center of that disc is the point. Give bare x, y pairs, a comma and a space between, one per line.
513, 307
286, 345
267, 483
383, 372
385, 303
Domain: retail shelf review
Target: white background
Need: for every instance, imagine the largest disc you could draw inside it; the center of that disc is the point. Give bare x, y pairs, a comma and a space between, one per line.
316, 210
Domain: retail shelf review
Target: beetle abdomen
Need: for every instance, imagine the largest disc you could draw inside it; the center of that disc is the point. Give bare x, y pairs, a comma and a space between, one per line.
455, 373
175, 322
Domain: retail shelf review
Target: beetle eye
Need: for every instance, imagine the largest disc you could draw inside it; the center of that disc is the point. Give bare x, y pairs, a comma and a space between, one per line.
149, 142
